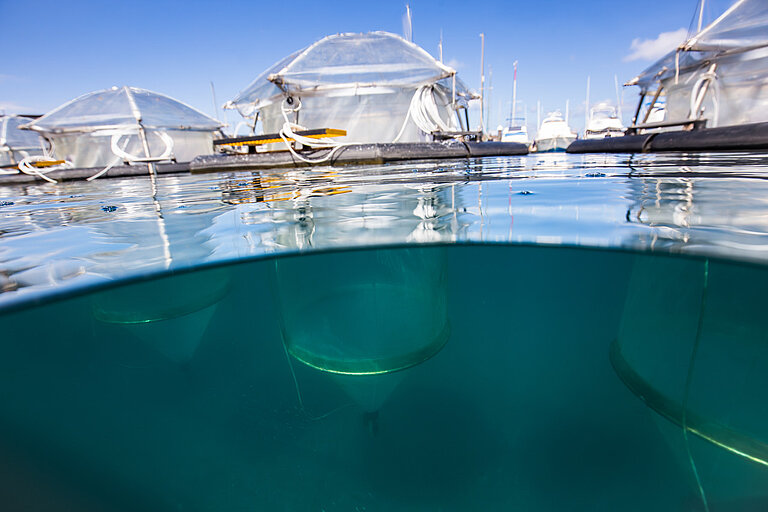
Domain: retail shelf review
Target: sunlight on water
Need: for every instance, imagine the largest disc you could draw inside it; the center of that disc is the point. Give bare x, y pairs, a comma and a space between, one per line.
55, 238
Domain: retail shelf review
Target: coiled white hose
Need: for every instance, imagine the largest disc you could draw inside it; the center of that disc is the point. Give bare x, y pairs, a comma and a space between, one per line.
424, 113
123, 156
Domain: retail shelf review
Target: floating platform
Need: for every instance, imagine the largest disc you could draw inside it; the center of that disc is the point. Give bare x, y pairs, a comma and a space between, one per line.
82, 173
359, 154
745, 137
353, 154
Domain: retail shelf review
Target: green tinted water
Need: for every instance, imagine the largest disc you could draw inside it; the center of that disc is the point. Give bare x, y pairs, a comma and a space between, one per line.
463, 377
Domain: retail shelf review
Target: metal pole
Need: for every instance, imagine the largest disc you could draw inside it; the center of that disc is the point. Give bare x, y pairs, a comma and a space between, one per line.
453, 91
142, 134
586, 109
538, 115
145, 143
514, 96
637, 110
619, 105
489, 103
482, 83
215, 103
440, 46
653, 102
466, 118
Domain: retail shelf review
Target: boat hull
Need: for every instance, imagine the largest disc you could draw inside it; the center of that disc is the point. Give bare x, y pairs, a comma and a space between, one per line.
554, 144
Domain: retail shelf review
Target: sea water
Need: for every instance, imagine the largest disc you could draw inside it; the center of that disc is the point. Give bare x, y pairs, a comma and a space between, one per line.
377, 350
548, 379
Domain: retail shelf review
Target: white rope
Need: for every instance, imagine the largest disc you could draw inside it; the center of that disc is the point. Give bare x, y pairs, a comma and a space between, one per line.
123, 156
128, 157
288, 131
423, 110
26, 166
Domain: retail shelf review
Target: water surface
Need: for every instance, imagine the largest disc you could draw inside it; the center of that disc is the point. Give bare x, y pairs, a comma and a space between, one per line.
532, 333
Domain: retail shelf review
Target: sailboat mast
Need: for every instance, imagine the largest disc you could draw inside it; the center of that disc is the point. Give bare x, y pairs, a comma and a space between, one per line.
538, 114
586, 109
408, 24
514, 96
482, 82
701, 16
490, 94
440, 46
619, 105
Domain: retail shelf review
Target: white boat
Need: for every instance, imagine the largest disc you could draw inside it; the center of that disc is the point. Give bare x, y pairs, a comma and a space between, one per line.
603, 122
658, 110
554, 134
516, 131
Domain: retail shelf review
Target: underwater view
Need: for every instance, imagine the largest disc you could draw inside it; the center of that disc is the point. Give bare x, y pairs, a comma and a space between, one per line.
544, 332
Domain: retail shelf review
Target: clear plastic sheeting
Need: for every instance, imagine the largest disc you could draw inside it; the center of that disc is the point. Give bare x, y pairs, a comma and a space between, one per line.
17, 144
362, 83
111, 126
123, 107
743, 25
692, 346
735, 91
369, 118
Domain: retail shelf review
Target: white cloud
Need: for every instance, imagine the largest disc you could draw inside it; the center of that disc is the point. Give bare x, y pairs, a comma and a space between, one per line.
12, 108
455, 64
652, 49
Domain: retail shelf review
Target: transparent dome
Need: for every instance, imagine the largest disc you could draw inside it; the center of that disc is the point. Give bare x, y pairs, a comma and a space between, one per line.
123, 107
358, 60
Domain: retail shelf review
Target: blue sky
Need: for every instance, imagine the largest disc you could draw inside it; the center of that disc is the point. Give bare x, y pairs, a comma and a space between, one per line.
57, 50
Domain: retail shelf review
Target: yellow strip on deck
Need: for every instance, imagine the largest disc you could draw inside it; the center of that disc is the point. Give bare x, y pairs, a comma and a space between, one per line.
328, 132
46, 163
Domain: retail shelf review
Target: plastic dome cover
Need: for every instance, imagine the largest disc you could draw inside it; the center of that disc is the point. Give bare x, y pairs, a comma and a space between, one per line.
121, 108
728, 60
12, 137
16, 144
741, 27
86, 131
374, 59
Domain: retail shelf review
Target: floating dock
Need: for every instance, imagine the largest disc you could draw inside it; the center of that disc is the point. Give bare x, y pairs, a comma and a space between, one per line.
360, 154
745, 137
353, 154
